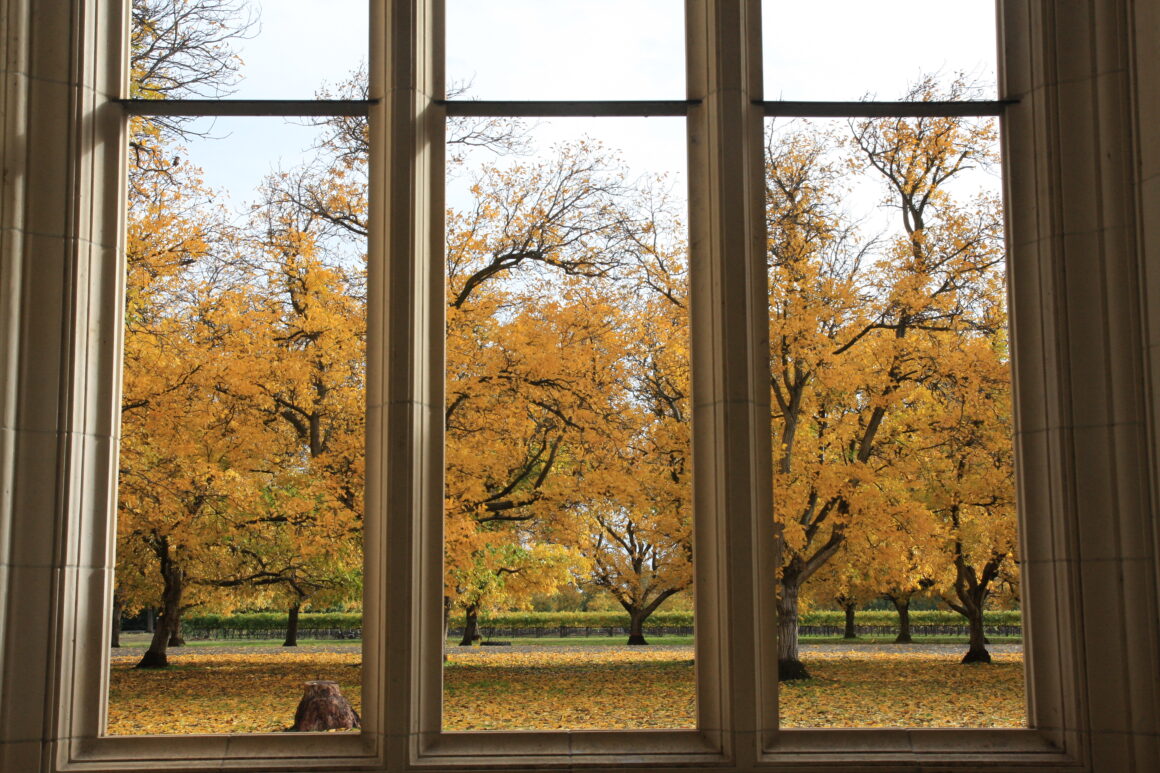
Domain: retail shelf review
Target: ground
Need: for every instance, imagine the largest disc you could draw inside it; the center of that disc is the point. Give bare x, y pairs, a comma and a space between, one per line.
240, 688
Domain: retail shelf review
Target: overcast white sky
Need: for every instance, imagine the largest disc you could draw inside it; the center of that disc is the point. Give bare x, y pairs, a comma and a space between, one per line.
596, 49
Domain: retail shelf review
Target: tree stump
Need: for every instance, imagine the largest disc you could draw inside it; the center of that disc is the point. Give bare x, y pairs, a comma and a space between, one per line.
323, 707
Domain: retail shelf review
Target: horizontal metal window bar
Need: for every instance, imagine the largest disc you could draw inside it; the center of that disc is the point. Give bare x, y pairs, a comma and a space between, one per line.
576, 108
247, 107
560, 108
884, 109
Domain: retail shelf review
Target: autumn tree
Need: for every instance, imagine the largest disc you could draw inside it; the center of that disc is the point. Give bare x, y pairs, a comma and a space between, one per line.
632, 509
854, 332
567, 362
842, 581
968, 470
186, 456
176, 49
526, 335
505, 574
816, 299
263, 450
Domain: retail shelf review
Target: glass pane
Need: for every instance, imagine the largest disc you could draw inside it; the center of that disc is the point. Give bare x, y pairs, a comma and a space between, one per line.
852, 49
240, 493
892, 425
568, 586
244, 49
601, 49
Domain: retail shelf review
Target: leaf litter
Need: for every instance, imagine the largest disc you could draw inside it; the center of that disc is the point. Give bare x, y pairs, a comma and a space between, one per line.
582, 689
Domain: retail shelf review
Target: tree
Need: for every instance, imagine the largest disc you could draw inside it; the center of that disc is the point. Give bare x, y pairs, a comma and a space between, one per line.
177, 49
969, 474
854, 334
507, 575
528, 343
180, 49
632, 503
895, 556
165, 474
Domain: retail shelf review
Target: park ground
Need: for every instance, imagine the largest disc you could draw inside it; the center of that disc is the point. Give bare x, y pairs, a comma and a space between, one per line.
254, 687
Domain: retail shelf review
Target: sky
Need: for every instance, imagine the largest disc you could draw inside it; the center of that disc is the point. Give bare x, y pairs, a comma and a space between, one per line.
593, 49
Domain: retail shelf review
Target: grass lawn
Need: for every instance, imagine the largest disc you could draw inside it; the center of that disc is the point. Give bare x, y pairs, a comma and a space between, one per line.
137, 639
495, 688
568, 641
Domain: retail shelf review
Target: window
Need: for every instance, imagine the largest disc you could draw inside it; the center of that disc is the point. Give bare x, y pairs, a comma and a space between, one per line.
1080, 229
196, 181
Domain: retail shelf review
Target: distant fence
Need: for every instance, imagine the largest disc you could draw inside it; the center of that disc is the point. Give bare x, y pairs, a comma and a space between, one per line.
539, 625
568, 631
915, 630
195, 632
198, 633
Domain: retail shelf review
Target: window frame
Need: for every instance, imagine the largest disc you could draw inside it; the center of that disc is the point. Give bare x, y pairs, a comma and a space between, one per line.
1058, 237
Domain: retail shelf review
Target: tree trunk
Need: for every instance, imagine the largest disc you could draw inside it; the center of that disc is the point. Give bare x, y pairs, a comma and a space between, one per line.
446, 625
175, 637
971, 590
471, 632
173, 584
902, 605
323, 707
116, 636
851, 632
292, 626
636, 618
789, 664
977, 649
150, 620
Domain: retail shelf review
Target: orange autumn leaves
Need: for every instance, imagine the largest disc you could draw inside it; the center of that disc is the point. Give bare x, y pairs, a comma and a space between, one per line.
545, 690
567, 380
227, 693
241, 458
892, 431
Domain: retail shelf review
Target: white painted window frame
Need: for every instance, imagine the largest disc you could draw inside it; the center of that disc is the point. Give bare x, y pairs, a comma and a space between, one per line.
1083, 201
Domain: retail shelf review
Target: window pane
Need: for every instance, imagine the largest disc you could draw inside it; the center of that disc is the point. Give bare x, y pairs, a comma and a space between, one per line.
853, 49
602, 49
567, 522
892, 425
244, 49
240, 497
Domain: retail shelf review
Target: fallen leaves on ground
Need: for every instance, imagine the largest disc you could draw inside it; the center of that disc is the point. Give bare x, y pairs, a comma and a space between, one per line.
203, 693
856, 688
571, 690
546, 690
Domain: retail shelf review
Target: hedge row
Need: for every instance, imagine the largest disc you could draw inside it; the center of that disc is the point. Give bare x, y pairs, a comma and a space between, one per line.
347, 621
262, 621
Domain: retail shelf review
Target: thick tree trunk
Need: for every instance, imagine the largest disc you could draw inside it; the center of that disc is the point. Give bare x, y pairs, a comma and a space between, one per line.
789, 664
116, 635
851, 632
323, 707
155, 656
292, 626
971, 591
977, 644
471, 632
902, 606
636, 618
173, 585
